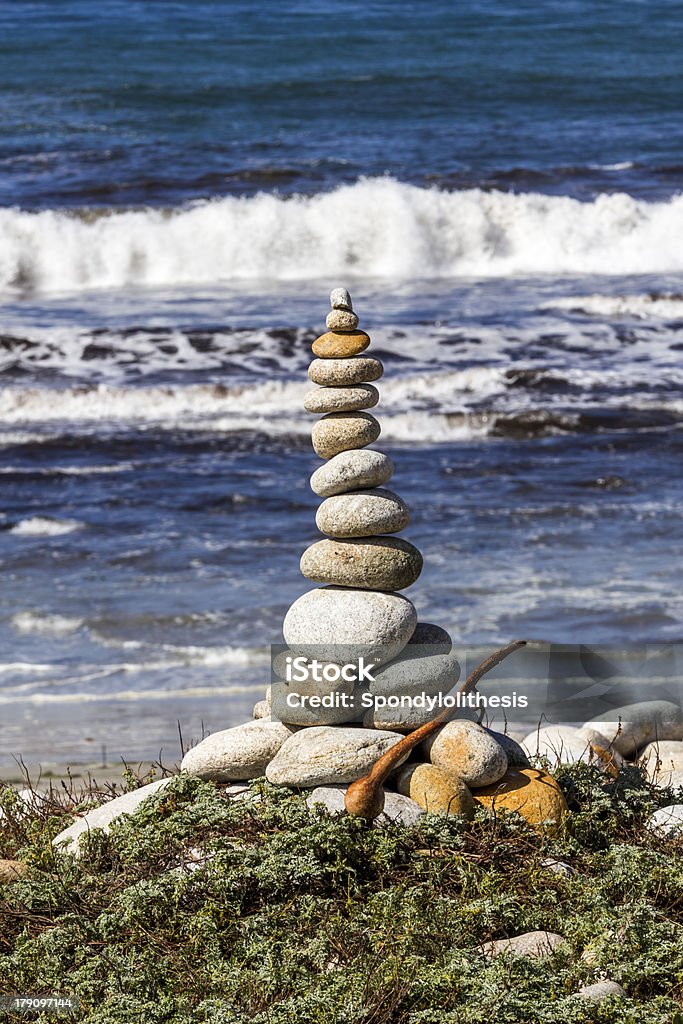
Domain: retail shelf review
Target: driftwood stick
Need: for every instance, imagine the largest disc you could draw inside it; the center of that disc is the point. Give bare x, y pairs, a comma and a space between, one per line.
365, 797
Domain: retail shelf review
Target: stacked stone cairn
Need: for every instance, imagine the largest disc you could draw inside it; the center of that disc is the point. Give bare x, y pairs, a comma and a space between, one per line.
360, 567
357, 611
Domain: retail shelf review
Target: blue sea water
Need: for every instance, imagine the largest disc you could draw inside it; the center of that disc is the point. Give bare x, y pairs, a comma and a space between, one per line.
180, 185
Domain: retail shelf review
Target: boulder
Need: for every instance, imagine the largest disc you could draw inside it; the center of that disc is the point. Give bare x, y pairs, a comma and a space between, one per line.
328, 756
530, 792
338, 624
435, 790
103, 816
340, 345
348, 399
566, 744
355, 470
634, 725
362, 514
466, 750
398, 808
345, 372
237, 754
514, 752
369, 563
340, 431
661, 760
531, 944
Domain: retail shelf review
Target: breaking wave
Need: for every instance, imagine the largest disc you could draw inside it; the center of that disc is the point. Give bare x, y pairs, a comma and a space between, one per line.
374, 228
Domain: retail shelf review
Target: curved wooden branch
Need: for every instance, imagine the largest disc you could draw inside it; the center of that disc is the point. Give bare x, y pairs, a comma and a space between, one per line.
365, 797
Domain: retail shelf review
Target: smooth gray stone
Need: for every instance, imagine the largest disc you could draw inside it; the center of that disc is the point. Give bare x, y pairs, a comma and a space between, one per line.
667, 819
328, 756
237, 754
341, 320
397, 807
340, 299
558, 867
531, 944
566, 744
600, 990
362, 514
340, 625
426, 665
515, 754
353, 470
370, 563
344, 372
350, 399
630, 727
102, 817
340, 431
661, 760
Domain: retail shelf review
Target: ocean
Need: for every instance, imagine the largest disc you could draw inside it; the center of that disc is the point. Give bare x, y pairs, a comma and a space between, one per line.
181, 184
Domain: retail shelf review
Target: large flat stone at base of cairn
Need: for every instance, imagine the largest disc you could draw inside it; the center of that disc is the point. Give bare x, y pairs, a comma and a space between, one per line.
345, 372
363, 396
435, 790
341, 625
352, 471
362, 514
328, 755
340, 344
341, 431
373, 563
237, 754
397, 807
102, 817
465, 749
632, 726
528, 791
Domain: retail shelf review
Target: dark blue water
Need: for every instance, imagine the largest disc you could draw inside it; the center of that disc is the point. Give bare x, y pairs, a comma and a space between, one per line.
180, 186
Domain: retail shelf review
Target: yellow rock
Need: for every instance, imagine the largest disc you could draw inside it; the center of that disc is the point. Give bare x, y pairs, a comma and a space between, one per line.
340, 345
532, 793
12, 871
435, 790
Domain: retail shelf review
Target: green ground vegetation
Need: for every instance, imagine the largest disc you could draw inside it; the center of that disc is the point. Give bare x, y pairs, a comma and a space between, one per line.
293, 917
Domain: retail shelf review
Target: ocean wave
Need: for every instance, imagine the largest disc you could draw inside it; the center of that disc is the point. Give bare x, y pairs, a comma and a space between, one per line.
659, 305
41, 622
375, 227
41, 526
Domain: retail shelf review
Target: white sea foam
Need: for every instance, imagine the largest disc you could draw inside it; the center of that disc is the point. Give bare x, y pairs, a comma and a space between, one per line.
659, 306
42, 622
376, 227
41, 526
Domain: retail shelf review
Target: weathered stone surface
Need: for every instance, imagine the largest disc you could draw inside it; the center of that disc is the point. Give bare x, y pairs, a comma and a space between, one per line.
672, 780
352, 471
341, 431
102, 817
600, 990
345, 372
341, 320
466, 750
328, 755
345, 624
236, 754
633, 725
362, 514
515, 753
12, 871
397, 808
426, 665
261, 710
661, 760
531, 944
340, 345
667, 819
373, 563
332, 708
362, 396
435, 790
565, 744
530, 792
340, 299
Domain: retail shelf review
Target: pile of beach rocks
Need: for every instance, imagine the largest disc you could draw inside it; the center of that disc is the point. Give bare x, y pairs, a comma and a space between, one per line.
357, 610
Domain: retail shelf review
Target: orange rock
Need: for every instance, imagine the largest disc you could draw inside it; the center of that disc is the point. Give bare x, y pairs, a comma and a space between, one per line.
532, 793
340, 345
435, 790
